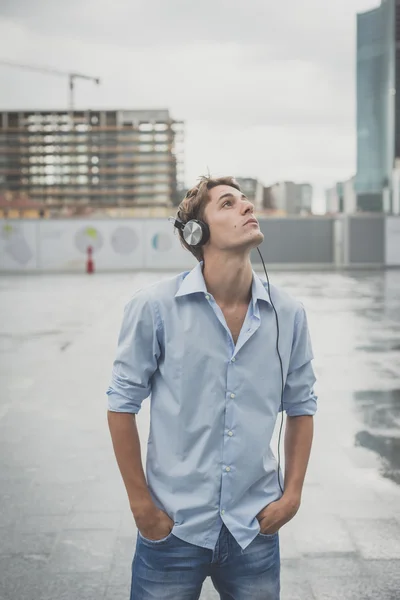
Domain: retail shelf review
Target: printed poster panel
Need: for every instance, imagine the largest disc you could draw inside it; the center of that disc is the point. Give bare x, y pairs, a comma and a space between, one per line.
392, 250
116, 244
18, 249
163, 249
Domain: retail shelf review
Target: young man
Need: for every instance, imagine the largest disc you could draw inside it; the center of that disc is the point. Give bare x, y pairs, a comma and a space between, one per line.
203, 344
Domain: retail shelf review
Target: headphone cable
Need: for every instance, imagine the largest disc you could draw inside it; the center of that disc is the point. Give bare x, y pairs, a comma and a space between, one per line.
280, 361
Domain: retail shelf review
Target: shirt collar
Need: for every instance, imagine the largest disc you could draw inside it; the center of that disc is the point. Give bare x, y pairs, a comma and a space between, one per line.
258, 291
194, 282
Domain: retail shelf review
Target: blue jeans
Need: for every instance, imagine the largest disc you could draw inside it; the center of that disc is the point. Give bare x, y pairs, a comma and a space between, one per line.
171, 569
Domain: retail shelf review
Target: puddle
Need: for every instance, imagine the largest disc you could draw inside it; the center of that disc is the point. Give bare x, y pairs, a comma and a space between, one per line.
379, 410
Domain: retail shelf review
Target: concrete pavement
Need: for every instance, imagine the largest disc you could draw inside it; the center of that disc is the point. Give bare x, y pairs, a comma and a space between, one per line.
66, 532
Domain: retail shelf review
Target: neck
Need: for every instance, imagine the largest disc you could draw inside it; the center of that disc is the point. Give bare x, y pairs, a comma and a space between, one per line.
228, 279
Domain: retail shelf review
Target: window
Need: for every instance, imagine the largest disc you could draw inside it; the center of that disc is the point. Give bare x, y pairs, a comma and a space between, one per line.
145, 127
143, 168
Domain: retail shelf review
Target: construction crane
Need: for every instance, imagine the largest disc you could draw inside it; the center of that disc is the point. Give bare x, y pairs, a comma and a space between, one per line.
50, 71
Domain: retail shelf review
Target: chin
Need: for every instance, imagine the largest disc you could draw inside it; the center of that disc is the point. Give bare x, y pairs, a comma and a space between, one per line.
258, 238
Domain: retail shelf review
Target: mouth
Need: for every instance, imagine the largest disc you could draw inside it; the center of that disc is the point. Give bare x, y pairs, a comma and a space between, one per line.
251, 221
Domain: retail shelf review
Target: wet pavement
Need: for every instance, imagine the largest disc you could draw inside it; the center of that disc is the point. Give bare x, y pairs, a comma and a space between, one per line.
66, 532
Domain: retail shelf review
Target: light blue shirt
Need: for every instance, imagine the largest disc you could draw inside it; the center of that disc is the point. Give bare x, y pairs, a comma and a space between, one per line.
213, 404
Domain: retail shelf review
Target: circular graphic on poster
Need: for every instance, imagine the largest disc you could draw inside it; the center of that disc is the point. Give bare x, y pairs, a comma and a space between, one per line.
161, 242
16, 245
88, 236
124, 240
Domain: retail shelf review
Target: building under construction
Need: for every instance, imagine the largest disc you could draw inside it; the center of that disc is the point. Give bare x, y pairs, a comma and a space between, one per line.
95, 158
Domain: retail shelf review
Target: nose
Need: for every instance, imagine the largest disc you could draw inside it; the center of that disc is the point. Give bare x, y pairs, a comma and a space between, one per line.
247, 206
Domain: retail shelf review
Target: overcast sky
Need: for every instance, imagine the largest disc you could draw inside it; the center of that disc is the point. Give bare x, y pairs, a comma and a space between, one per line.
266, 87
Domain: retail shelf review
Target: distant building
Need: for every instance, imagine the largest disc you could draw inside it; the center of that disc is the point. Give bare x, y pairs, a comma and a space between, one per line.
98, 158
341, 198
396, 188
253, 189
20, 206
305, 197
268, 199
378, 105
291, 198
332, 205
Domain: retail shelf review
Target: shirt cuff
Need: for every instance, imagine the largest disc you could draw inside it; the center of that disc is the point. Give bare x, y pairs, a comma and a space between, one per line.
307, 407
118, 403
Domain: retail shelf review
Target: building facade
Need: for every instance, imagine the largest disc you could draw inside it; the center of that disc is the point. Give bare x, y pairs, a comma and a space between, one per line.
378, 106
396, 188
305, 197
341, 198
291, 198
97, 158
253, 189
331, 200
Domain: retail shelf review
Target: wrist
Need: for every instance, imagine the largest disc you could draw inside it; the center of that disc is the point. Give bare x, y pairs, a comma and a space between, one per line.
141, 507
291, 499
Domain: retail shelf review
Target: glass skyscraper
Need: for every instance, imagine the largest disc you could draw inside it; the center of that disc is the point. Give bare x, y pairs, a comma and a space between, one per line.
378, 107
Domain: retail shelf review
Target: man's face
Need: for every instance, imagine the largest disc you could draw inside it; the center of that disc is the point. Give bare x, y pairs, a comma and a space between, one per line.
230, 217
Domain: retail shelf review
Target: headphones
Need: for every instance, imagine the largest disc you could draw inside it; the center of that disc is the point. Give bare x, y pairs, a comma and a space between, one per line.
197, 233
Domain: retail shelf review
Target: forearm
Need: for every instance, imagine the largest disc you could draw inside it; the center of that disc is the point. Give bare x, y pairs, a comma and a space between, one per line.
298, 440
126, 444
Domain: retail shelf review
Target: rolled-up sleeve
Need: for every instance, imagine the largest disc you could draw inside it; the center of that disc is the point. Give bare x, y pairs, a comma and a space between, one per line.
298, 396
136, 357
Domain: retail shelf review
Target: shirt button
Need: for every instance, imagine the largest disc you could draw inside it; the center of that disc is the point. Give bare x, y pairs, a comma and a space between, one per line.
222, 512
227, 469
230, 433
232, 395
233, 359
207, 297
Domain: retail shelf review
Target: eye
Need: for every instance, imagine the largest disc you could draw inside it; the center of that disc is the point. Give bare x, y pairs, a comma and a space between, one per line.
226, 202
